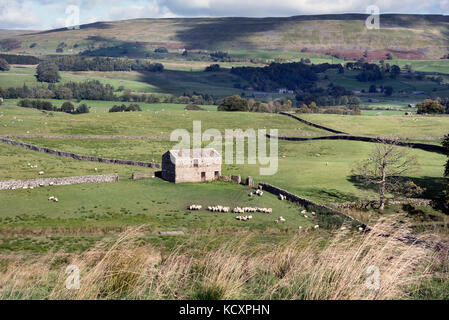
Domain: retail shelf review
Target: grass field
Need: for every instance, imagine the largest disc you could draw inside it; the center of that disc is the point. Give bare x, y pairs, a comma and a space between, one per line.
156, 119
396, 125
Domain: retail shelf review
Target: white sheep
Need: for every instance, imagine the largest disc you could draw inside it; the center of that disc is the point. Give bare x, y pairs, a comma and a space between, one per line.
41, 173
281, 219
316, 226
306, 216
303, 211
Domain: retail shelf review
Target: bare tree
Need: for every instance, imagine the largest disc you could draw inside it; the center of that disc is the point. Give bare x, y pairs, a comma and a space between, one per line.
385, 168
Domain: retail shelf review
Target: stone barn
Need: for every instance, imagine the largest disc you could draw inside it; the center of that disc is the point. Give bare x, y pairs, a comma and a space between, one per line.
191, 165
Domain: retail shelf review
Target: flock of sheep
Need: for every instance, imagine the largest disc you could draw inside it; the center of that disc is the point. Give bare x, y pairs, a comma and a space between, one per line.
259, 192
218, 208
252, 209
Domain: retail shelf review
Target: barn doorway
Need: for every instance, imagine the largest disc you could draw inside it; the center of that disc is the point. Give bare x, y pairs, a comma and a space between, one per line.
216, 175
203, 176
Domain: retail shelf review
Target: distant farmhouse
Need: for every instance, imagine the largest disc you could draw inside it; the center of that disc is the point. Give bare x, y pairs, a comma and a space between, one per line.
284, 90
191, 165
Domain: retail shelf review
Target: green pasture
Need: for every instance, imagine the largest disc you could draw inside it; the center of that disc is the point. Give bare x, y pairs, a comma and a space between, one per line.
396, 125
157, 119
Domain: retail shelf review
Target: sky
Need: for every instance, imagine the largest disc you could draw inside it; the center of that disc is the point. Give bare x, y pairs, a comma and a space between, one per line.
51, 14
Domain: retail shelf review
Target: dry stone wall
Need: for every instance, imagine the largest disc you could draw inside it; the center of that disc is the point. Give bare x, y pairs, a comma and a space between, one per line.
302, 201
42, 182
78, 156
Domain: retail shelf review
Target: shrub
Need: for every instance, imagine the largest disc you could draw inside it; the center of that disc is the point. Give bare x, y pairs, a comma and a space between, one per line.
161, 50
212, 68
233, 103
82, 108
124, 108
430, 106
192, 107
4, 65
48, 72
133, 107
67, 107
37, 104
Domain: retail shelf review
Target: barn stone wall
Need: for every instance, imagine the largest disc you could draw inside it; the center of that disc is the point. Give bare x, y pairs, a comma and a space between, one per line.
142, 175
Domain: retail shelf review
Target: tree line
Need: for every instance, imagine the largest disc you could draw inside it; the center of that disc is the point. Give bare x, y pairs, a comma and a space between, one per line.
292, 75
77, 63
67, 107
19, 59
95, 90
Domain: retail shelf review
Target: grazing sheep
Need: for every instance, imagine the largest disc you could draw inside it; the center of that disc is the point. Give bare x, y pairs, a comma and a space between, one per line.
313, 213
360, 229
281, 219
305, 216
41, 173
51, 198
316, 226
259, 192
303, 211
195, 207
95, 169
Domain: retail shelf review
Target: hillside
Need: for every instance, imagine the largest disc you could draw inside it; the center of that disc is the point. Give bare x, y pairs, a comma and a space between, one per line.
405, 36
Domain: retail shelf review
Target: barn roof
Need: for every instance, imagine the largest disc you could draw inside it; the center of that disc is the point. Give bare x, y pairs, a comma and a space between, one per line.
194, 153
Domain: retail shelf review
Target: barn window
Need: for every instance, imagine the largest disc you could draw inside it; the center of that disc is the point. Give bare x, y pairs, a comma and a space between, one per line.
195, 163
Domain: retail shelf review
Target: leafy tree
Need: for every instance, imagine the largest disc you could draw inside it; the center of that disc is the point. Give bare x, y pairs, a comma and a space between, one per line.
233, 103
212, 68
395, 71
67, 107
388, 90
430, 106
193, 107
384, 168
82, 108
161, 50
4, 65
48, 72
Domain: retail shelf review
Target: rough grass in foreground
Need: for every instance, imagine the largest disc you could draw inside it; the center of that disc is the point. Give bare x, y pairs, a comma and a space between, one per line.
300, 268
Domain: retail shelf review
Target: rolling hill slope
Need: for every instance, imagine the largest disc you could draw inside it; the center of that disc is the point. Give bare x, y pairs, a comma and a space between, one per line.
405, 36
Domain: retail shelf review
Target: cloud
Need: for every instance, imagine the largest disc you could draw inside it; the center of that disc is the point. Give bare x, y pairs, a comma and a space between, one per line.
17, 14
150, 10
29, 13
294, 7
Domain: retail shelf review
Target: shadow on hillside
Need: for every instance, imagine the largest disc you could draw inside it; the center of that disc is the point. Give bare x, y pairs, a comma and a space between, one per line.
95, 25
214, 33
433, 186
330, 195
